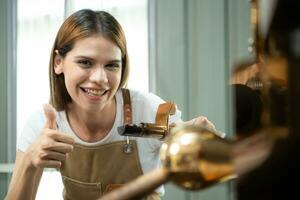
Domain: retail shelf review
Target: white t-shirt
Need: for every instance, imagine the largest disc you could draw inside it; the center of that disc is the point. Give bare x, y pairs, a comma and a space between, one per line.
144, 108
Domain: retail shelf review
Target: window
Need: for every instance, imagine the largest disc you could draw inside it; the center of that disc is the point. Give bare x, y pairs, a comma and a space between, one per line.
38, 22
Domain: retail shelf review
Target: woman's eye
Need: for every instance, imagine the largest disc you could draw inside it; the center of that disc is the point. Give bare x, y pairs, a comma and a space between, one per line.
113, 66
85, 63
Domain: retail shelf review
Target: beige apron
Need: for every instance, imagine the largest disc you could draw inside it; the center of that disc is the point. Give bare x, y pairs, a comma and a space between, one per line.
89, 172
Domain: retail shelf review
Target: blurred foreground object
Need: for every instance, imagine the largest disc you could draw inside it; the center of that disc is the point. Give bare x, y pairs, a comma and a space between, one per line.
266, 163
192, 157
278, 39
195, 158
248, 107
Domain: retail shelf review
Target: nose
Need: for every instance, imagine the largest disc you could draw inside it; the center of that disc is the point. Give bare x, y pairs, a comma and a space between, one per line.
99, 75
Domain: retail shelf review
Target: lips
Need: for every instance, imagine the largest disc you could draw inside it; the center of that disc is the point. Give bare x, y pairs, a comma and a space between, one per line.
92, 92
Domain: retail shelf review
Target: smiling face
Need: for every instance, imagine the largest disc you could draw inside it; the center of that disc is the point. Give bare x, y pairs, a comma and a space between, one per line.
92, 72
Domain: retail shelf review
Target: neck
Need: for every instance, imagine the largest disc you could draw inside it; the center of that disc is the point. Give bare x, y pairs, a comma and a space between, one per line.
92, 125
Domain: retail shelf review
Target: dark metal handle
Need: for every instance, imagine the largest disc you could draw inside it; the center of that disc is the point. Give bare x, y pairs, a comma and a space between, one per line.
144, 130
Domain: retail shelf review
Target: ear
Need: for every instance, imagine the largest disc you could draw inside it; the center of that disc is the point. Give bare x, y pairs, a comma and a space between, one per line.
58, 63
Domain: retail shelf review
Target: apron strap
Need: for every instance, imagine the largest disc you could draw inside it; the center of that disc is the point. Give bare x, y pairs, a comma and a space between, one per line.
127, 106
163, 112
162, 115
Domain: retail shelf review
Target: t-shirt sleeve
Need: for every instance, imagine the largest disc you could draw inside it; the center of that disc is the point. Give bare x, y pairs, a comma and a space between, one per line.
31, 130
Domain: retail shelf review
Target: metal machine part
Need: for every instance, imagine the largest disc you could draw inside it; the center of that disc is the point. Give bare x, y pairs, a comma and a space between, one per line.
192, 157
150, 130
144, 130
197, 157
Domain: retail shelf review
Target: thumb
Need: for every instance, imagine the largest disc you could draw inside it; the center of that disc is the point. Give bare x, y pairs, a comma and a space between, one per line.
50, 114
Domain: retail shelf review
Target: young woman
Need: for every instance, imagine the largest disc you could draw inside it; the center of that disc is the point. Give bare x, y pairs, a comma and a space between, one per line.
88, 71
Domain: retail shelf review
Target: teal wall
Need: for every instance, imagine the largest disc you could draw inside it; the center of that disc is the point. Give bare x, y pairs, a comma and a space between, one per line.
3, 93
7, 88
197, 42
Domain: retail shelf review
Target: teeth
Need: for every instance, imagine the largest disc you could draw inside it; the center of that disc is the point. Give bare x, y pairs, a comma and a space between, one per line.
94, 92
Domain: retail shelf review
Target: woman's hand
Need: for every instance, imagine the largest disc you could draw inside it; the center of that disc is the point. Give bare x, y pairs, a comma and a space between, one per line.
198, 121
52, 146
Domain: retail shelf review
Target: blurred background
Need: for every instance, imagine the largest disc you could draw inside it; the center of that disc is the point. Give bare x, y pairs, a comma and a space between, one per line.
181, 50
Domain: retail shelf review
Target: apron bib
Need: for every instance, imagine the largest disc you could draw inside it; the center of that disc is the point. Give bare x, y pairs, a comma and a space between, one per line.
91, 171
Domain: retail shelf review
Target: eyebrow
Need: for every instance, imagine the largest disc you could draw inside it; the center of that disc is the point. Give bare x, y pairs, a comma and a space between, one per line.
115, 61
86, 57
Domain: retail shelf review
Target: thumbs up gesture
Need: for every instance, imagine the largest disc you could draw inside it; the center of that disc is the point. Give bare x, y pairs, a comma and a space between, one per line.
52, 146
50, 114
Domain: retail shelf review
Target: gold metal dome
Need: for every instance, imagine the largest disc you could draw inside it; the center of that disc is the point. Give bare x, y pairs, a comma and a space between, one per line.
196, 157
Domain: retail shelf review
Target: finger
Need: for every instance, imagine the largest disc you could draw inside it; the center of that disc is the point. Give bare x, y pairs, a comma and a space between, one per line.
50, 114
211, 125
173, 125
179, 123
185, 123
50, 164
60, 147
54, 155
59, 137
204, 122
